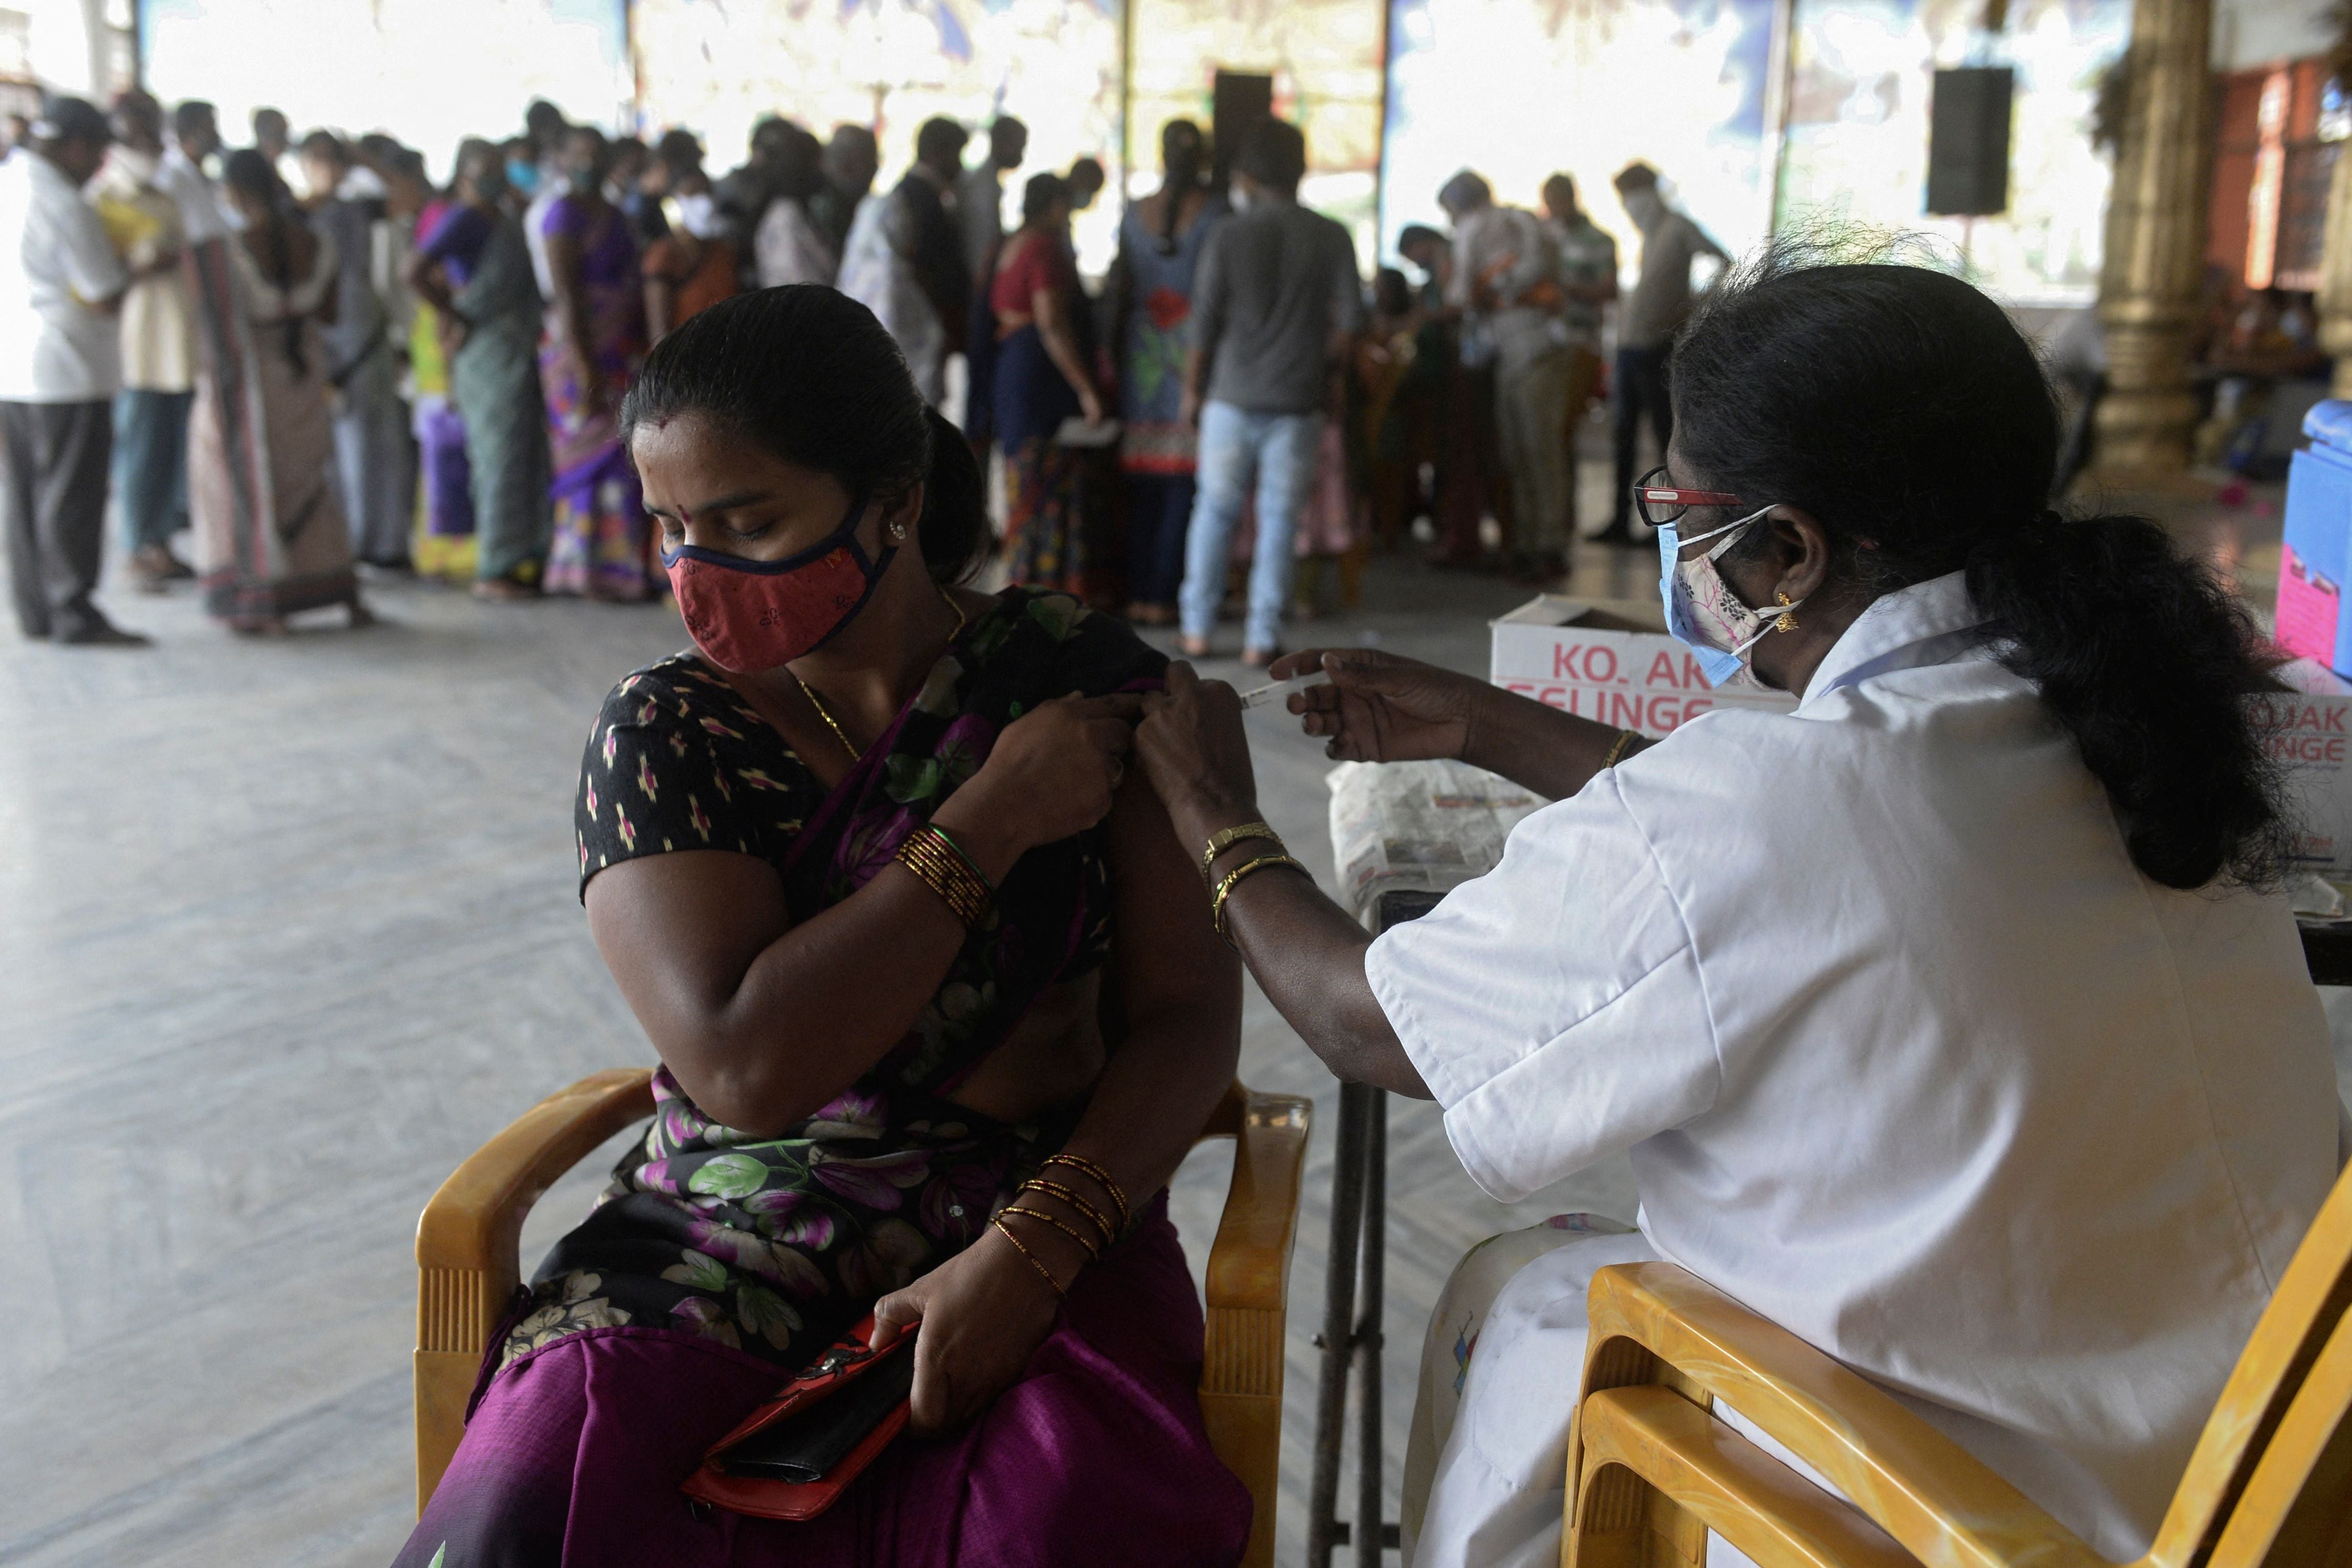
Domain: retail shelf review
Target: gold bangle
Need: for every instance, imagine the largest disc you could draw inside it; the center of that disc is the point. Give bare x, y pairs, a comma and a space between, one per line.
972, 865
1093, 1249
1087, 1211
1233, 879
1224, 838
1617, 749
961, 888
1006, 1231
1096, 1175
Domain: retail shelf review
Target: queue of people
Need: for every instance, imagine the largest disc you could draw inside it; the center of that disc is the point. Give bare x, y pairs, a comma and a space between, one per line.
1229, 407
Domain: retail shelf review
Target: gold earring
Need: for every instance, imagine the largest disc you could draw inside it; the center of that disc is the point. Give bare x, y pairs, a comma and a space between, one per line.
1788, 621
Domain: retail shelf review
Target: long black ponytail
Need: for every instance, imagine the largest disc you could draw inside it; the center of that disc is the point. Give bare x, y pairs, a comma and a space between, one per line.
809, 374
1903, 409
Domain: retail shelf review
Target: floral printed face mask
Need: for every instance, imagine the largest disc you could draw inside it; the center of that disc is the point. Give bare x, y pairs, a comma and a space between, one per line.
749, 615
1701, 612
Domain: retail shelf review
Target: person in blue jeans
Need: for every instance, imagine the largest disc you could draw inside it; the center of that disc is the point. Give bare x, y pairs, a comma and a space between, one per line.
1277, 301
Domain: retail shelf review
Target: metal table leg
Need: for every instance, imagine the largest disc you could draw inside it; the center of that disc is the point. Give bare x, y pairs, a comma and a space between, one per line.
1351, 1337
1336, 1341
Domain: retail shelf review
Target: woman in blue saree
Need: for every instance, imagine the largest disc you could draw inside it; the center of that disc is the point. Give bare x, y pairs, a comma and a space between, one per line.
938, 1004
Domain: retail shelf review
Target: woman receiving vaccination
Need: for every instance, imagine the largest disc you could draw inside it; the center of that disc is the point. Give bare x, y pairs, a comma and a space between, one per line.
1948, 1019
938, 1006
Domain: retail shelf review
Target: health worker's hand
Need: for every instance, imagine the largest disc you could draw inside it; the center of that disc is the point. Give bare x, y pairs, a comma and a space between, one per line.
1196, 754
982, 1313
1379, 707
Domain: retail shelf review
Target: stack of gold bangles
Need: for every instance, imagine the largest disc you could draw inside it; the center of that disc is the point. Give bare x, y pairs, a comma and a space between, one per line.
1107, 1229
1226, 838
942, 867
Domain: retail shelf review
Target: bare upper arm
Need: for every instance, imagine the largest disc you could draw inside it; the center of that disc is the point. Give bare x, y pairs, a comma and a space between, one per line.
679, 932
1167, 952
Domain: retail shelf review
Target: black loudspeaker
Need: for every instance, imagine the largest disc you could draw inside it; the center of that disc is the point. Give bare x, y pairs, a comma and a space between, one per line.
1967, 141
1238, 102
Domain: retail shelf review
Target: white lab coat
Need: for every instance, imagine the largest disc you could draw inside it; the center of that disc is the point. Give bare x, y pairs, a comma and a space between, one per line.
1909, 1058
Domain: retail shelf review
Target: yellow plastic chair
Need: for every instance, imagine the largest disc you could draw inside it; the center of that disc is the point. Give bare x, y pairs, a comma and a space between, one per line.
468, 1264
1651, 1471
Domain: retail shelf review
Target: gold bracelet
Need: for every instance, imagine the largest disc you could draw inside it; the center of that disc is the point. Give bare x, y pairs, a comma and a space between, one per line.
1617, 750
946, 838
959, 887
1096, 1175
1233, 879
1224, 838
1006, 1231
1093, 1249
1093, 1216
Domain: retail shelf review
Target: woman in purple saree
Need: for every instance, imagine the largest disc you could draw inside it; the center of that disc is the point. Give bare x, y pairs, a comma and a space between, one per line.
596, 336
867, 1058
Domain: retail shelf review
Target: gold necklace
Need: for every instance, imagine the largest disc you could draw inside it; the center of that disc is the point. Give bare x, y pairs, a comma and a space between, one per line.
825, 714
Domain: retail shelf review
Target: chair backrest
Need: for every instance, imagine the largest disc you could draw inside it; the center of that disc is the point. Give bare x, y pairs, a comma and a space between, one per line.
2272, 1472
2280, 1421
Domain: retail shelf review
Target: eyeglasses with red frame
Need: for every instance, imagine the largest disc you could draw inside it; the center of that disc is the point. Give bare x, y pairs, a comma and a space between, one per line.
1662, 505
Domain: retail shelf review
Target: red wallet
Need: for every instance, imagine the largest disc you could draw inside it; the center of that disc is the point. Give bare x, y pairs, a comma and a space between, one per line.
791, 1457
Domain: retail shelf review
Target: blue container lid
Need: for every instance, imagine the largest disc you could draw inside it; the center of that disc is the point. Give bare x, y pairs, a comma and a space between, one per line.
2330, 422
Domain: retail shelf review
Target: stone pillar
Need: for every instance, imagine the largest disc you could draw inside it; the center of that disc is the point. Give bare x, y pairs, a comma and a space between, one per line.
2335, 274
2156, 242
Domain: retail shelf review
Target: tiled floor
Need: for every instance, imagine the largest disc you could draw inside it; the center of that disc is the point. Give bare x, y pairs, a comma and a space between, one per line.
286, 928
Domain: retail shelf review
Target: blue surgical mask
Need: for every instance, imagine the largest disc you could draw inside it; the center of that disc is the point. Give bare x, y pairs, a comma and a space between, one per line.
1701, 612
523, 175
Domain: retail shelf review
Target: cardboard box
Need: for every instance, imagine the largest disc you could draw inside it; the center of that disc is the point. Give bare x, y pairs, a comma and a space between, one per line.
2310, 734
1611, 661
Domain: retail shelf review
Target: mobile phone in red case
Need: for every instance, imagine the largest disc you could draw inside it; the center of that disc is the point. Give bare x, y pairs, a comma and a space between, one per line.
791, 1457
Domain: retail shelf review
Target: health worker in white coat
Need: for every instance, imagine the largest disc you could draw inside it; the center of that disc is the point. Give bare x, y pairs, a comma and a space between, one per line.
1948, 1019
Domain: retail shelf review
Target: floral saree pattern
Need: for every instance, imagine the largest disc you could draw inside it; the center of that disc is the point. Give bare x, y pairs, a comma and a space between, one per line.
774, 1246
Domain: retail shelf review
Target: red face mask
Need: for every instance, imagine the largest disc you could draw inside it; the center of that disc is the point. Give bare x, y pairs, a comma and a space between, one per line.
749, 615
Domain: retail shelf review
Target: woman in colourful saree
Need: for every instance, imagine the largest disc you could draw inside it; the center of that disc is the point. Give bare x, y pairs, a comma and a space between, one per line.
596, 336
473, 267
865, 1059
270, 538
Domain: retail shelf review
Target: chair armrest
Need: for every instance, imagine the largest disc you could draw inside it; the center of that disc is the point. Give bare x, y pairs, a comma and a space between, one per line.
467, 1240
1249, 1264
1248, 1290
1930, 1494
1780, 1519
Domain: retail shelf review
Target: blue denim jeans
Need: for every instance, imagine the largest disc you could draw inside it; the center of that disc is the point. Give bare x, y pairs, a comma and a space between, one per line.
151, 464
1280, 450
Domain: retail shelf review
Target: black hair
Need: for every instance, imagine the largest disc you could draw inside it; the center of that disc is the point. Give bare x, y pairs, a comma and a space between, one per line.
1040, 193
809, 374
1418, 234
247, 170
1391, 292
1274, 153
1903, 410
325, 144
1183, 154
941, 140
1636, 176
192, 113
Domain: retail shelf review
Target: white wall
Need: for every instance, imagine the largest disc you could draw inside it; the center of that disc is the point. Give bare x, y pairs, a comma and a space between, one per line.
68, 46
2251, 33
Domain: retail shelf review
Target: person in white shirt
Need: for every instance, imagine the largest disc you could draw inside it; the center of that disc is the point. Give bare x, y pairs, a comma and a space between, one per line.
60, 366
195, 137
159, 343
1953, 1021
1505, 283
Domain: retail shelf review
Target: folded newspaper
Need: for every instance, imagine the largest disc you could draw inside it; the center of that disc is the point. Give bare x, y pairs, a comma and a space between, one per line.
1418, 827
